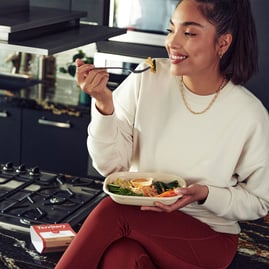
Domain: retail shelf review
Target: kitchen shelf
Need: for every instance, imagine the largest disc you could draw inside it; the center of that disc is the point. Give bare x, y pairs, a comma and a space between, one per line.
131, 49
47, 31
64, 40
36, 17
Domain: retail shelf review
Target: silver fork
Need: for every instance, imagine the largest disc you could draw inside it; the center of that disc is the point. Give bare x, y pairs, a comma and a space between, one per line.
136, 71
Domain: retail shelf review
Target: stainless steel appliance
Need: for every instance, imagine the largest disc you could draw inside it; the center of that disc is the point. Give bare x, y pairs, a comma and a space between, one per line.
30, 196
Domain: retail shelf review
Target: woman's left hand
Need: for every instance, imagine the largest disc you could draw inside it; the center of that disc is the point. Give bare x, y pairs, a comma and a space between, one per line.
190, 194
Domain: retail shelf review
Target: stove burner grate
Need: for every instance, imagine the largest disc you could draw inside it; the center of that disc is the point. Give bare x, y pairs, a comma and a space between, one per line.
27, 200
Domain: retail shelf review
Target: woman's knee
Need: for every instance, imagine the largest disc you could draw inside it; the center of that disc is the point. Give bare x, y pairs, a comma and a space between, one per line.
126, 253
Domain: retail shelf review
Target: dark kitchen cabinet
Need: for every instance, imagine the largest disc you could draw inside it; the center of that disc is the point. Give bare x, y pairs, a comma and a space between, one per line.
10, 126
97, 11
55, 143
61, 4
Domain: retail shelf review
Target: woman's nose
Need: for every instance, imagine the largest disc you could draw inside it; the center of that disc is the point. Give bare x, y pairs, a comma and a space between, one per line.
173, 41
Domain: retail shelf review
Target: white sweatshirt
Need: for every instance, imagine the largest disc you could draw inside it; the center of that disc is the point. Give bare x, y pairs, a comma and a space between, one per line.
225, 148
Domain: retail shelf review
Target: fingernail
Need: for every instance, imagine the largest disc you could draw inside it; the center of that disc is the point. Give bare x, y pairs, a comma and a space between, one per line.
180, 190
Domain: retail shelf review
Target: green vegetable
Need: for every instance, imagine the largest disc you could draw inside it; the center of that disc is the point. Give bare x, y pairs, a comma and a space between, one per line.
122, 191
159, 186
162, 186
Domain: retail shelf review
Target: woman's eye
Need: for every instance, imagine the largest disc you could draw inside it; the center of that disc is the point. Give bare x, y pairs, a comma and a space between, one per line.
168, 31
189, 34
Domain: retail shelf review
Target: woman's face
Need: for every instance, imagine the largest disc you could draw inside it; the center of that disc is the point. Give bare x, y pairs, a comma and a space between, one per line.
191, 42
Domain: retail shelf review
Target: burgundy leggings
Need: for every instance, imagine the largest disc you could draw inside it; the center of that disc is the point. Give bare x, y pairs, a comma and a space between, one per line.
124, 237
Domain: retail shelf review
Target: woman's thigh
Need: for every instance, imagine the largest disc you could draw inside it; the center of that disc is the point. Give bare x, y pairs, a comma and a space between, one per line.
171, 238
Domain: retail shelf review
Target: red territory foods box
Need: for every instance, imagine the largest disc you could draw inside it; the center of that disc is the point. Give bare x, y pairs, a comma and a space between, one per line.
51, 237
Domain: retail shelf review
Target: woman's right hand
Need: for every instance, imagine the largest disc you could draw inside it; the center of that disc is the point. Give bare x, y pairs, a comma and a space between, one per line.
94, 82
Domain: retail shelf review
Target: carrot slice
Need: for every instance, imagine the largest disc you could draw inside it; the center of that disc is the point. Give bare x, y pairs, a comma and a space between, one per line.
168, 193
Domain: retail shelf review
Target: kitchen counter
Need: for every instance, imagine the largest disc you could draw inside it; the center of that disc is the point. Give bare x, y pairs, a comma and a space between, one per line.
17, 252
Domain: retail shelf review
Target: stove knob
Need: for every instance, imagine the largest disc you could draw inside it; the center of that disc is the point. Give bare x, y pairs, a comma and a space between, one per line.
8, 166
21, 169
34, 171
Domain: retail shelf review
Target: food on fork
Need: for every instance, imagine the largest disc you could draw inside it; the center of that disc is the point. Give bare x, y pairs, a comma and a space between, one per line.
152, 63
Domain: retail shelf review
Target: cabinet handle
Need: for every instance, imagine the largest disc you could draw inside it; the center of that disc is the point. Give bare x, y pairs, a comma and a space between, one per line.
54, 123
3, 114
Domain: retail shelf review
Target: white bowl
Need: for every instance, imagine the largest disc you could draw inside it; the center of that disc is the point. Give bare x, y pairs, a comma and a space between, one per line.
140, 200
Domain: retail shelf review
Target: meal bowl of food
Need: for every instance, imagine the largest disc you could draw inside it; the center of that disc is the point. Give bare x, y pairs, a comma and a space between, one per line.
143, 188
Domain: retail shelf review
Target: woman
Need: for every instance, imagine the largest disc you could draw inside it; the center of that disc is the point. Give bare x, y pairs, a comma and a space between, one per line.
191, 118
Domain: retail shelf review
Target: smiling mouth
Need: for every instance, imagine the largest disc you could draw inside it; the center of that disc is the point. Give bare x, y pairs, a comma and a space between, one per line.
178, 57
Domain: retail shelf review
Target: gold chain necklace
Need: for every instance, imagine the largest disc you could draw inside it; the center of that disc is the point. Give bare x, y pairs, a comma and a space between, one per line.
181, 86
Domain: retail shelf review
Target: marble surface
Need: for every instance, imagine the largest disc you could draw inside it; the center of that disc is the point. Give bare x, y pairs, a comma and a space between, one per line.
253, 249
17, 252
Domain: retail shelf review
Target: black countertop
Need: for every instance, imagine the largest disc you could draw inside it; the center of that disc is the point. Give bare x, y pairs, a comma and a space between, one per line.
17, 252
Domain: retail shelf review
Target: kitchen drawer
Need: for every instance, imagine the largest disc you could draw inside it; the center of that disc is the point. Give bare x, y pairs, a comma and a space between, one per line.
10, 126
55, 143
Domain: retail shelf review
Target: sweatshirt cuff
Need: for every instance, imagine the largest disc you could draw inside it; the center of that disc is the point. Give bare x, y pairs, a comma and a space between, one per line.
101, 126
217, 200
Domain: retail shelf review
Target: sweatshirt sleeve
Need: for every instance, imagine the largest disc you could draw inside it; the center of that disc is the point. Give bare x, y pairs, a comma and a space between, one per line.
110, 137
249, 198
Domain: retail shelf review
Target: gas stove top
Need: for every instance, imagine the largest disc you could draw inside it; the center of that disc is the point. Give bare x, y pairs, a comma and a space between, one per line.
29, 196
